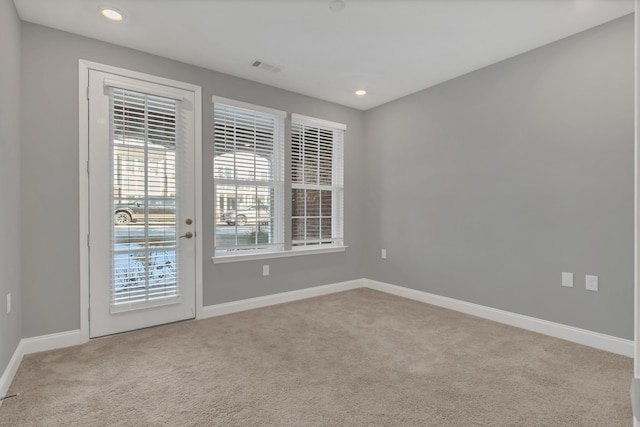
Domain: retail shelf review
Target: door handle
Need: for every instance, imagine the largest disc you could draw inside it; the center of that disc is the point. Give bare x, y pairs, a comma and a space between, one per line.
188, 235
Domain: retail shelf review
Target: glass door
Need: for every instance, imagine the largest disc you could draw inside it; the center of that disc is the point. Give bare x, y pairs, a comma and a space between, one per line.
142, 254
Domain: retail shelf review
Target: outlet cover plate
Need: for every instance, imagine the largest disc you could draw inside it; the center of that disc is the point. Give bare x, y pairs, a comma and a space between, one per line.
591, 282
567, 279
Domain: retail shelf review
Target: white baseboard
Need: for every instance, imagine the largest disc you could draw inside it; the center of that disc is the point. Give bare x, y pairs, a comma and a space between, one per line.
10, 371
35, 345
51, 341
267, 300
581, 336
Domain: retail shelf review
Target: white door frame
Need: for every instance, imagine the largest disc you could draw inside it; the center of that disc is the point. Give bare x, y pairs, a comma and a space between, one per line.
83, 179
636, 239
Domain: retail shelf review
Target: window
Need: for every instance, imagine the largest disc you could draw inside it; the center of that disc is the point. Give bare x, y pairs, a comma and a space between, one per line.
248, 169
317, 182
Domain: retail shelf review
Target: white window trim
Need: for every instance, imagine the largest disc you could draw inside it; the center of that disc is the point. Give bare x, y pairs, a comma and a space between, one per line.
282, 250
337, 190
318, 122
303, 250
278, 186
232, 102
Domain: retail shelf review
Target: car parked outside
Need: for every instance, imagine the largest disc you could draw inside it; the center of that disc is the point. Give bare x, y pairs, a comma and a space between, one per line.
247, 215
160, 210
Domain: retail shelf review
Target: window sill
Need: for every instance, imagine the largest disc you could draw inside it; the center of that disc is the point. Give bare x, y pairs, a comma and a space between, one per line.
280, 254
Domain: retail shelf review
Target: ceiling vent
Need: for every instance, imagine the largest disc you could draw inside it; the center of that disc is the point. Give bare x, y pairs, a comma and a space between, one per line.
267, 67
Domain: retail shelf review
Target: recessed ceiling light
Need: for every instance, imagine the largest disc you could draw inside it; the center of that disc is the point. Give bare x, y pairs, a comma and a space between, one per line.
112, 14
361, 92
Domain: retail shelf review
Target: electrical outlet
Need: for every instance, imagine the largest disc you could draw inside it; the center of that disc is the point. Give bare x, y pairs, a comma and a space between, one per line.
265, 270
9, 302
383, 253
567, 279
591, 282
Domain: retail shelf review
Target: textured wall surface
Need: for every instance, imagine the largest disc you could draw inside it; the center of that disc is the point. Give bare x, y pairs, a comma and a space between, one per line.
10, 323
485, 188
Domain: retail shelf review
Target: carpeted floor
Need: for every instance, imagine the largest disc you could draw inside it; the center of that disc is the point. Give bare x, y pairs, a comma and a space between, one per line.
357, 358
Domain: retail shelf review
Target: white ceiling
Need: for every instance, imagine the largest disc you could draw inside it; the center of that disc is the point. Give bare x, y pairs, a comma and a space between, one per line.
391, 48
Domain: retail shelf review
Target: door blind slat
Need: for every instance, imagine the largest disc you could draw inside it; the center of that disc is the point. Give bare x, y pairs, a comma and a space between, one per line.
144, 260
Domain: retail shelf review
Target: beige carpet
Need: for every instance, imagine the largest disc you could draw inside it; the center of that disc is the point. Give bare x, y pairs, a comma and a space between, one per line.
357, 358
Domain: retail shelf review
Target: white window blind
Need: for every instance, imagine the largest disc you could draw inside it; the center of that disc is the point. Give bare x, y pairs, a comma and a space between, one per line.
248, 168
144, 129
317, 182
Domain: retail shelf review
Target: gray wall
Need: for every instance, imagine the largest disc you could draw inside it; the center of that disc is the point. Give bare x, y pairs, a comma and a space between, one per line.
486, 187
50, 206
10, 324
483, 188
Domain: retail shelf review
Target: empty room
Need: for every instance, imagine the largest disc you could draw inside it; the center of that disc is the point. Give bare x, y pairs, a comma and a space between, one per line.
318, 213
